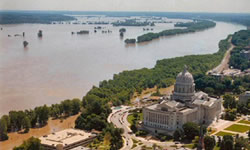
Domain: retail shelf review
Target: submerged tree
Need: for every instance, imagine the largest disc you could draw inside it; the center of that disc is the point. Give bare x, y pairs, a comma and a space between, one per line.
40, 33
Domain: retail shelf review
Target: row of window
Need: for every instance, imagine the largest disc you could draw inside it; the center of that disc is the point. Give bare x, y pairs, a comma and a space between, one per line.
158, 118
182, 89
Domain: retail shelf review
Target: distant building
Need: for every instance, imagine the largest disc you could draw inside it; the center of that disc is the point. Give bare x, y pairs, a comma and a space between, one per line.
66, 139
185, 105
244, 97
245, 54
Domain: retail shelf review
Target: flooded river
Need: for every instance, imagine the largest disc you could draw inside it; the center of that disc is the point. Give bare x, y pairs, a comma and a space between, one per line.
63, 66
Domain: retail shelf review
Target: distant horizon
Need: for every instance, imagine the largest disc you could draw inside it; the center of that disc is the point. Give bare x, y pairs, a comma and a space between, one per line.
129, 11
216, 6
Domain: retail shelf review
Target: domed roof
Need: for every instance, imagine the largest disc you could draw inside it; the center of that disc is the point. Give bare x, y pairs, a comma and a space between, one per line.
185, 76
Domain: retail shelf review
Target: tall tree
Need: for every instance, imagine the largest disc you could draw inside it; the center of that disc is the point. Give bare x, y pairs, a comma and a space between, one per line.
31, 144
190, 130
3, 130
178, 134
209, 142
67, 107
42, 114
26, 124
227, 143
76, 106
229, 101
241, 143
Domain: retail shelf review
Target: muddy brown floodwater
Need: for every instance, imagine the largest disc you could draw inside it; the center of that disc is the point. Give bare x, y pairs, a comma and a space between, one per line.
63, 66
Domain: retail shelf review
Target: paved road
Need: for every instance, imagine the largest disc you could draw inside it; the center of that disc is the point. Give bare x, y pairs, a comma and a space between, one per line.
224, 63
119, 118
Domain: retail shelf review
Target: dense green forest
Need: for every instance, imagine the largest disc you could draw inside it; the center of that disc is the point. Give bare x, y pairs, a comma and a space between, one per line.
32, 17
190, 27
216, 87
241, 40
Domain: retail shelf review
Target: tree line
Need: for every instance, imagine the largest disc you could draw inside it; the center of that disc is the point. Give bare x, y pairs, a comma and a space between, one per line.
218, 86
132, 22
35, 17
190, 27
241, 40
22, 121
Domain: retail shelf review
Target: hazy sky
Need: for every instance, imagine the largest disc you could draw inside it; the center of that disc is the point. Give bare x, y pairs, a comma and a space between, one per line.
129, 5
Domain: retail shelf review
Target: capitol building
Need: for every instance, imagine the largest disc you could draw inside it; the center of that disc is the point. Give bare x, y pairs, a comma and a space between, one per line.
184, 105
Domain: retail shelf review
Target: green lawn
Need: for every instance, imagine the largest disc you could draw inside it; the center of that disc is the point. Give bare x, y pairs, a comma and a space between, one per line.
221, 133
244, 121
216, 147
238, 128
134, 143
191, 146
131, 117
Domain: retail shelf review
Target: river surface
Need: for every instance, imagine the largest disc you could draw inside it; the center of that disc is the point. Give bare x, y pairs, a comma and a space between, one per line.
62, 66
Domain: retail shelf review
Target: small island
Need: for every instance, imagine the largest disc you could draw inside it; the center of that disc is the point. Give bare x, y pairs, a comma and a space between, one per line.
132, 22
83, 32
130, 41
40, 33
194, 26
122, 30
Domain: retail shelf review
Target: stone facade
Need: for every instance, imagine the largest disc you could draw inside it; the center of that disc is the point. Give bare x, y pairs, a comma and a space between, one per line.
184, 88
244, 97
185, 105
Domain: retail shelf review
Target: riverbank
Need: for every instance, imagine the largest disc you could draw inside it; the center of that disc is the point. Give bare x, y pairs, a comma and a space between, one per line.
16, 139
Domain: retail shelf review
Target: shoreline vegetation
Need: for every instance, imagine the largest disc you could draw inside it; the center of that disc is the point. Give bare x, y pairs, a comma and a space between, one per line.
190, 27
34, 17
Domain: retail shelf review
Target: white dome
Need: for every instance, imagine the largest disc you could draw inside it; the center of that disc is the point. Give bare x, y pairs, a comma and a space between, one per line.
185, 77
184, 88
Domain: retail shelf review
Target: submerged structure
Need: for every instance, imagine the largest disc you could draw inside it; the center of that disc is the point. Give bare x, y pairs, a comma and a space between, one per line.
66, 139
185, 105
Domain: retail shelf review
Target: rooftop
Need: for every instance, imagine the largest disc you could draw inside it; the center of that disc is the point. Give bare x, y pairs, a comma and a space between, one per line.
65, 137
247, 93
81, 148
